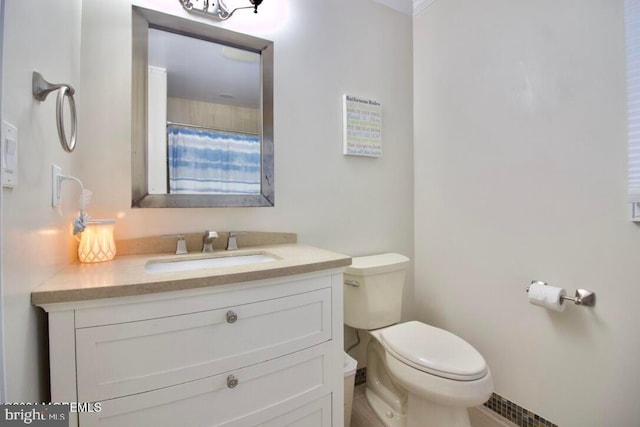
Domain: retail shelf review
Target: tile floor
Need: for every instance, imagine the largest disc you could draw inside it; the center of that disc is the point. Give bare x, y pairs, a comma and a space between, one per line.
361, 414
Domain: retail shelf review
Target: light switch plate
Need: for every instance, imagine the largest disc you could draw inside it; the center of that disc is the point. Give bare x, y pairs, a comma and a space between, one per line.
9, 154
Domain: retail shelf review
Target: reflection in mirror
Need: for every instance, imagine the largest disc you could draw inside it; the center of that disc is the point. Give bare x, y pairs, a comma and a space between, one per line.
202, 117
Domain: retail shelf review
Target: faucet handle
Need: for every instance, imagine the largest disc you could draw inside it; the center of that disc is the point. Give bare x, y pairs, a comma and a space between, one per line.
181, 246
232, 242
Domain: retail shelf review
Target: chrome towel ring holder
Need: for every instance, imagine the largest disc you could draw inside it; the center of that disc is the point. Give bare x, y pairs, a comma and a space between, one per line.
41, 89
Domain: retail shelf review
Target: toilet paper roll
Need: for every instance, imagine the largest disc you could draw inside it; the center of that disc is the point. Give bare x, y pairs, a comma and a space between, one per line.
547, 296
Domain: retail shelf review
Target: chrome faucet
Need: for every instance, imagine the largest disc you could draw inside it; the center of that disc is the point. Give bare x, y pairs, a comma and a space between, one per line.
207, 241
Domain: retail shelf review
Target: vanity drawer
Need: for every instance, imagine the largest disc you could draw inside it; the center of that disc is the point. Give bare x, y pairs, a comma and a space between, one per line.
314, 414
291, 388
135, 357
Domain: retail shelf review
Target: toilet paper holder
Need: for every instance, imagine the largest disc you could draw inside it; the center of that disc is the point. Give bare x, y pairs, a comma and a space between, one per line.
582, 296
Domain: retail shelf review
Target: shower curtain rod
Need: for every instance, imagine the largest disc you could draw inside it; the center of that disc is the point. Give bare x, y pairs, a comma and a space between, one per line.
187, 125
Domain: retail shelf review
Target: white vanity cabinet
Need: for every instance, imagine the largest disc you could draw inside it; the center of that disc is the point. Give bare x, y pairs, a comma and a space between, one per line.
257, 353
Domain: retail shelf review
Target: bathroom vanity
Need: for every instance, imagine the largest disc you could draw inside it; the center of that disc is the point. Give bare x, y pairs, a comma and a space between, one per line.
238, 345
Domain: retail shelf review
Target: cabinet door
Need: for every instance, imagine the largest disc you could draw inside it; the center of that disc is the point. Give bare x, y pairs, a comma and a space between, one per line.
265, 393
128, 358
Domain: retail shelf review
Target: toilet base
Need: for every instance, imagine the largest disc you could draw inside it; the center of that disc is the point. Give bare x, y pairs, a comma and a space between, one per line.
420, 413
387, 415
423, 413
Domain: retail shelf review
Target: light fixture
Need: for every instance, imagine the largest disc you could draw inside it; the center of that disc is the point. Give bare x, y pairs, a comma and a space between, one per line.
216, 9
96, 242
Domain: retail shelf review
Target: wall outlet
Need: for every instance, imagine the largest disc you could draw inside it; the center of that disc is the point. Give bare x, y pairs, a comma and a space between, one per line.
56, 194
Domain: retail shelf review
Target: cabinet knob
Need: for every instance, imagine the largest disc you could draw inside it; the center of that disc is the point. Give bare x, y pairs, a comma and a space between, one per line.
232, 381
231, 316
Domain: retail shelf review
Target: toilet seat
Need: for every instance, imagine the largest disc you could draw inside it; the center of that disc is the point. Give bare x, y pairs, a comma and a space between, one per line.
434, 351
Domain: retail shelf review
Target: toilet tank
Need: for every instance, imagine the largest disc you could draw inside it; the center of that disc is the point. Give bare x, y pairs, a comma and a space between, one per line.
373, 290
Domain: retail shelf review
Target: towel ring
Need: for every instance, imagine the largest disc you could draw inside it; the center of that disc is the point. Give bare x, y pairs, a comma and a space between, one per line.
41, 89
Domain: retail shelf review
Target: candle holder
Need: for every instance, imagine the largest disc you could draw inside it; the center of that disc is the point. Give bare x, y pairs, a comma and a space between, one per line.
96, 242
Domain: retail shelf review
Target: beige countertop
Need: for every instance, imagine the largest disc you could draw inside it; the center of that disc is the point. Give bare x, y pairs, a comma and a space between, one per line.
126, 275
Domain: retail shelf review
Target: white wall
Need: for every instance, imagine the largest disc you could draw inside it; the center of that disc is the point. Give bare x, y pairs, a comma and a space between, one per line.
367, 51
36, 238
520, 174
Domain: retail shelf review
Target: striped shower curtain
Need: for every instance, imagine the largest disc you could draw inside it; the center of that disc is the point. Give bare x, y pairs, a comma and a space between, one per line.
203, 161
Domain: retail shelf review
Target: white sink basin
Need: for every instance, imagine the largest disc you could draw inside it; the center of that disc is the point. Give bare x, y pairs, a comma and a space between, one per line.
157, 266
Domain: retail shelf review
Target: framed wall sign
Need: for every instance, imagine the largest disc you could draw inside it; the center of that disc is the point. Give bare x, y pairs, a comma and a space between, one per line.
362, 126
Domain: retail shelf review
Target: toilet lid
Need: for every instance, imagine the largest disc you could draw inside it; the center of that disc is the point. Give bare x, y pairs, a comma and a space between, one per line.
434, 351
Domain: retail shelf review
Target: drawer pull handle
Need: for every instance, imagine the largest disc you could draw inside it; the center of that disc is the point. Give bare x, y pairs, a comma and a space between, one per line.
232, 381
231, 316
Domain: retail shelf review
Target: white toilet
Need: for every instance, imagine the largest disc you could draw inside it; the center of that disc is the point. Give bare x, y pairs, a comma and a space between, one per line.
417, 375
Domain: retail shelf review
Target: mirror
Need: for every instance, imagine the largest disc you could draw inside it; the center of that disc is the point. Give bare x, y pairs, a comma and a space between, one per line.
202, 115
